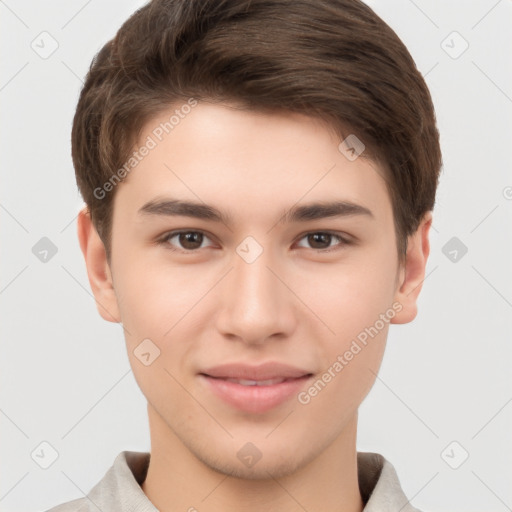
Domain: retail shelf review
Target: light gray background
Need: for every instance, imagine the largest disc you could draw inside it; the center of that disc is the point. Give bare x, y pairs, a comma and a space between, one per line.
65, 377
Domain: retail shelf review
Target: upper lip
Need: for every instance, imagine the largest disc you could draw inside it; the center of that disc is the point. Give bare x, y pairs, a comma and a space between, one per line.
265, 371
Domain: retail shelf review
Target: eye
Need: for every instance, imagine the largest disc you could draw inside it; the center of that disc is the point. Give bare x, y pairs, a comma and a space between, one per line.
189, 240
321, 241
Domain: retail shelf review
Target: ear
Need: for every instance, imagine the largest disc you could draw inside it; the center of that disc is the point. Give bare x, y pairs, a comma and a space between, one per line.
98, 270
412, 273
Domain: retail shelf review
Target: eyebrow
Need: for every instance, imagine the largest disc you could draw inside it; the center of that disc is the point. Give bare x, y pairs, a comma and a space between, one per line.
308, 212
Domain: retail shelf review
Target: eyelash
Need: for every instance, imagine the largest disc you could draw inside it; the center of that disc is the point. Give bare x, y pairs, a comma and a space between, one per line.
165, 240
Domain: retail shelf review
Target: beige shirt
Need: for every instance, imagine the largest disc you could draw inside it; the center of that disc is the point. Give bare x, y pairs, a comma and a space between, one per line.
120, 489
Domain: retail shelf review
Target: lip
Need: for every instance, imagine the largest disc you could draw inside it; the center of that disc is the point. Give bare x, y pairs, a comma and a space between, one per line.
255, 399
265, 371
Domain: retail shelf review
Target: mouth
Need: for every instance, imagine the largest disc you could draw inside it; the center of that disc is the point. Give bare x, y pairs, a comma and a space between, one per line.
254, 396
271, 370
247, 382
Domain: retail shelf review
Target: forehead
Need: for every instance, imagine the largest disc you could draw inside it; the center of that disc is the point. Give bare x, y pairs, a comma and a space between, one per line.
248, 161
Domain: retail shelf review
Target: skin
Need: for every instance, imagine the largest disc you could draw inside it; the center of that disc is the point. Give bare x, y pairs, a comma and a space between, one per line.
294, 304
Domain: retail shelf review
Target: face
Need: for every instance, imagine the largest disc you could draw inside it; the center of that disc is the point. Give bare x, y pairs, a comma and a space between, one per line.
267, 277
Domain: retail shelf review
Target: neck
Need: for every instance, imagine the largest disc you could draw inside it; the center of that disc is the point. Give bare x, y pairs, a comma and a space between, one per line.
178, 480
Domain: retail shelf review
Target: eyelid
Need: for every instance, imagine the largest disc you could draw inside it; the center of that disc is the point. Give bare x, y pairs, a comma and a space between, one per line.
171, 234
341, 234
344, 238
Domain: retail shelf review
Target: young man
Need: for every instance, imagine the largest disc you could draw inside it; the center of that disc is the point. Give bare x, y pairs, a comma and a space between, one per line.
259, 178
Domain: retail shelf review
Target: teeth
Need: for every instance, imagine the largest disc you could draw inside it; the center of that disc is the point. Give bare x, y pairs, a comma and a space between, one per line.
269, 382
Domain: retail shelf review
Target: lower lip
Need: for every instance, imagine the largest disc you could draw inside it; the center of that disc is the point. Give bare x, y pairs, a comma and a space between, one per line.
254, 399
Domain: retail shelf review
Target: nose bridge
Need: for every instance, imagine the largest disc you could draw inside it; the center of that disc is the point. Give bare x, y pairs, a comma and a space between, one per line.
254, 303
254, 278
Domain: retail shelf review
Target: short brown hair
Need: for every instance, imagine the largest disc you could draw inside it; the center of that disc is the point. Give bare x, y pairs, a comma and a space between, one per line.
331, 59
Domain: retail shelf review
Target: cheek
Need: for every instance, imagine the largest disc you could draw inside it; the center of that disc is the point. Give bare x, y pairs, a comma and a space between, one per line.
152, 299
351, 357
348, 297
347, 378
349, 385
154, 307
160, 305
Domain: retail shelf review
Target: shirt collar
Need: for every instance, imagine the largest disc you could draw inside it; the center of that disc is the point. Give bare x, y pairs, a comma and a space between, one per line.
120, 489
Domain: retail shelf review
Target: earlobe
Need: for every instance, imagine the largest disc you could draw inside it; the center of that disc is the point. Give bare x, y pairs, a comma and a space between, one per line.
98, 270
413, 272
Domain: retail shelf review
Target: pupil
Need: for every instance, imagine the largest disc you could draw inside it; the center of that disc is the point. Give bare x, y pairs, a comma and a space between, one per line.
190, 240
318, 237
187, 240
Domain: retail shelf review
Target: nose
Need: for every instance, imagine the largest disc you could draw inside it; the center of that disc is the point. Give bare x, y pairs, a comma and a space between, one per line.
255, 302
